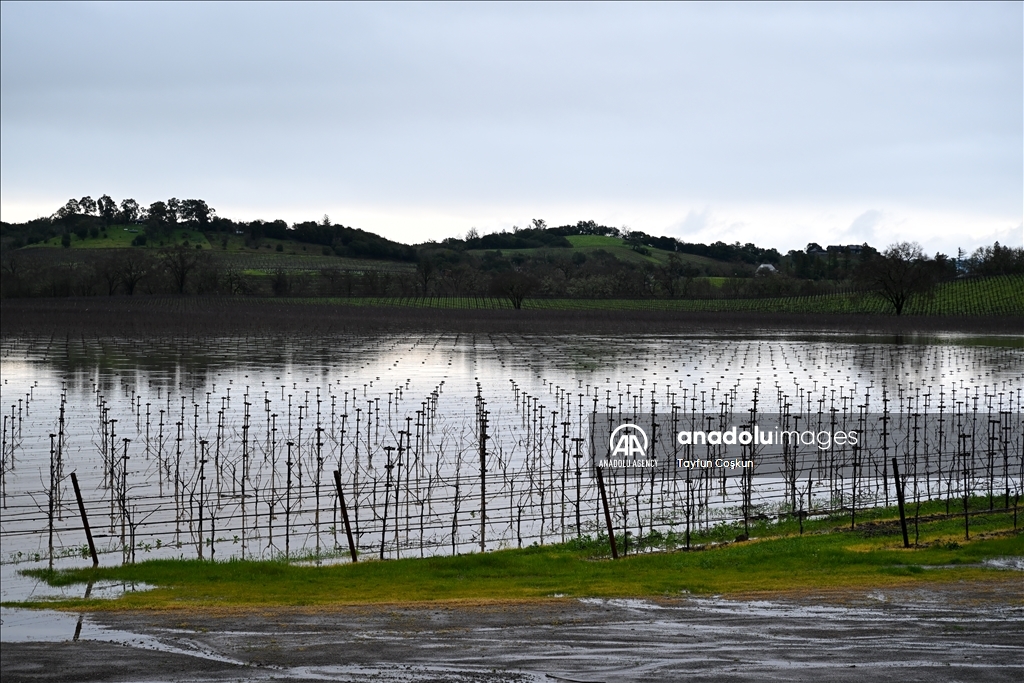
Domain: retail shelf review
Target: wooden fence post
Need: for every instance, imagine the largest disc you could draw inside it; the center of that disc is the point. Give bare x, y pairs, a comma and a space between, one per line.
85, 521
344, 515
607, 514
900, 502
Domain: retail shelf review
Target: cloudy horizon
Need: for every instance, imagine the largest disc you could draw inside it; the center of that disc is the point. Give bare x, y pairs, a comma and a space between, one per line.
774, 124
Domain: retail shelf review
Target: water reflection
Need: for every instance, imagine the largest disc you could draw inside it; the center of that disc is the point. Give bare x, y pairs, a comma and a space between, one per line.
225, 447
81, 616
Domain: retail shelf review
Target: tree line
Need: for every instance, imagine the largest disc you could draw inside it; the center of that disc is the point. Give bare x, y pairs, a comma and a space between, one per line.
538, 234
474, 265
183, 269
84, 218
899, 273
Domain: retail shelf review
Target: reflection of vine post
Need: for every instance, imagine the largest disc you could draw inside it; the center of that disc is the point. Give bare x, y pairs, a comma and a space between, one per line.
50, 499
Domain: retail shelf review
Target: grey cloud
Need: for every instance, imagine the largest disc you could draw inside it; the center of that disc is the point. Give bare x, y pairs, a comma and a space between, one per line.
409, 103
862, 229
694, 223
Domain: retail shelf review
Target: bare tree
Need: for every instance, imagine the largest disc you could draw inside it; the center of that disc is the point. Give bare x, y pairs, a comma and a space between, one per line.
425, 273
13, 274
668, 275
281, 282
514, 286
455, 278
134, 266
180, 261
209, 274
109, 270
332, 278
900, 273
235, 282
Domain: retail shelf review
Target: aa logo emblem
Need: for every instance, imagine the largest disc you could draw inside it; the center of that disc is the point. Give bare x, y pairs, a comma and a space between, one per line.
628, 441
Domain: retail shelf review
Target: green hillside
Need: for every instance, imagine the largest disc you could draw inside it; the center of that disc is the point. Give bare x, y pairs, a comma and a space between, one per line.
117, 236
617, 247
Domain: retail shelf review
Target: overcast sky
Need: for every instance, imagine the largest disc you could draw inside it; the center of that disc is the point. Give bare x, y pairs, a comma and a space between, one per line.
776, 124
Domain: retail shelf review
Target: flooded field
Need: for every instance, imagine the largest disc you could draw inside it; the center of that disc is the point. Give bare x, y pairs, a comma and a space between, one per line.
443, 443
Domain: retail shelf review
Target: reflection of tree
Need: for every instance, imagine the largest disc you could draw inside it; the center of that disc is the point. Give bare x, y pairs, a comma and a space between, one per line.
900, 273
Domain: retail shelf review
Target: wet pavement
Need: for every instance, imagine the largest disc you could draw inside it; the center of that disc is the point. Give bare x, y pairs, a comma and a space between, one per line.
950, 632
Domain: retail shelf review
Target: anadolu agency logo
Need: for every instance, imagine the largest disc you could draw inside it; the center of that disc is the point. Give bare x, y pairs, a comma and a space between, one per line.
628, 445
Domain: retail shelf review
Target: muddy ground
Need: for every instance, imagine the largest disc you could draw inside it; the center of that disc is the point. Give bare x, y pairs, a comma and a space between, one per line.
951, 632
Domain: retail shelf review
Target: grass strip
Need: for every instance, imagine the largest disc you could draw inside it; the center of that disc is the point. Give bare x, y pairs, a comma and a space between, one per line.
779, 558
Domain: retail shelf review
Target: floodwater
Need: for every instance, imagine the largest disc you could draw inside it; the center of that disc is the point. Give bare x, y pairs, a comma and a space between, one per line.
227, 448
940, 633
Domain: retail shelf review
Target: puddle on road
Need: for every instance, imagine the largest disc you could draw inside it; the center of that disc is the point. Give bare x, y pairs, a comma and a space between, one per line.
417, 673
1013, 563
25, 625
33, 625
692, 631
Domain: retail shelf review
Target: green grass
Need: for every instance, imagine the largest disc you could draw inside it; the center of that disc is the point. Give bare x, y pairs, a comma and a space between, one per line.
617, 246
118, 236
596, 241
232, 250
589, 244
826, 556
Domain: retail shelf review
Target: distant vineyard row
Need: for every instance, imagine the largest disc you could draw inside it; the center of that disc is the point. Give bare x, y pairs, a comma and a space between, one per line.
1001, 295
253, 262
268, 263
